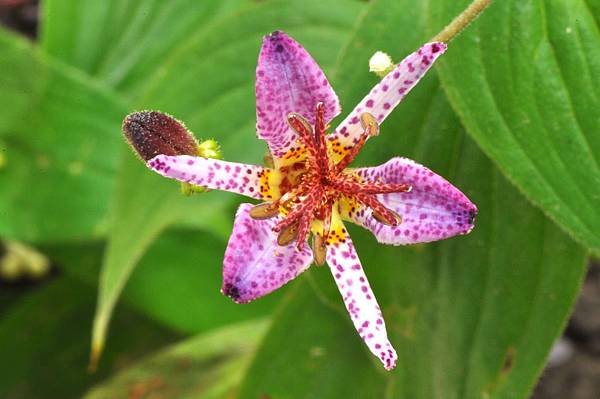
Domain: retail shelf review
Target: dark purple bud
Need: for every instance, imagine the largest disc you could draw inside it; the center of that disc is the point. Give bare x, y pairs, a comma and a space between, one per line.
152, 133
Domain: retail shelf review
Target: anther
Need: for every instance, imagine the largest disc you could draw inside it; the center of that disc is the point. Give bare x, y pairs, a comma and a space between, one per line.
288, 235
319, 249
369, 124
264, 211
387, 219
299, 124
268, 160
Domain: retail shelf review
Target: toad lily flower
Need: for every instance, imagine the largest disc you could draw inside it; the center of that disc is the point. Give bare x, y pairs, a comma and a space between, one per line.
309, 189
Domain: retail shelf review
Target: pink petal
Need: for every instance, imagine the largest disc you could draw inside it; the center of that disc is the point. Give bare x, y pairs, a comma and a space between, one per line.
212, 173
255, 264
288, 80
433, 210
384, 97
360, 301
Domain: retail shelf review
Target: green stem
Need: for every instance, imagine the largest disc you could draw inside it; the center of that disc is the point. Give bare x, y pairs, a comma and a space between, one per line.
462, 21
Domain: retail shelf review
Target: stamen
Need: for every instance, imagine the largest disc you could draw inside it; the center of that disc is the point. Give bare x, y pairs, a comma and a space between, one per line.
369, 124
305, 131
320, 185
322, 157
319, 249
370, 129
268, 160
264, 211
288, 235
382, 219
379, 211
301, 126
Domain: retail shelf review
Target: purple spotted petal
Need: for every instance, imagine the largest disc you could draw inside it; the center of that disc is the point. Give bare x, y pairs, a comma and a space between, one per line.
384, 97
360, 301
288, 80
433, 210
212, 173
255, 264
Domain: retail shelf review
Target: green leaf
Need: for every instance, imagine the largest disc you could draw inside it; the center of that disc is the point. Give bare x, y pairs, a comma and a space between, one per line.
177, 280
470, 317
145, 205
213, 72
178, 283
225, 54
524, 81
60, 143
206, 366
121, 43
44, 342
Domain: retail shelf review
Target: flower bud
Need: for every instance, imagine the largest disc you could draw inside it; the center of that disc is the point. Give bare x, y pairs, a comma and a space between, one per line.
151, 133
209, 149
381, 63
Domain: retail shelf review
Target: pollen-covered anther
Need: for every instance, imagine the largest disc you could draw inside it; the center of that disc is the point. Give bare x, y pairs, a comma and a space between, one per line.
319, 249
268, 160
287, 235
299, 124
369, 124
392, 219
264, 211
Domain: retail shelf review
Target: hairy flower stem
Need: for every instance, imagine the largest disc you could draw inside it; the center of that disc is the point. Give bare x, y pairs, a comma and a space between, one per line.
462, 21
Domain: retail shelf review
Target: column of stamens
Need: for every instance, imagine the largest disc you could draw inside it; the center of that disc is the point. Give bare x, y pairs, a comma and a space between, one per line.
307, 216
320, 143
297, 211
305, 134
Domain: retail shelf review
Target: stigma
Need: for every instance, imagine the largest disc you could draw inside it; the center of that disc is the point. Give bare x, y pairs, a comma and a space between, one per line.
316, 190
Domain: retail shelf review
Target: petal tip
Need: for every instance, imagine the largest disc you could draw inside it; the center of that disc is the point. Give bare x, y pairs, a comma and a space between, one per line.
437, 47
389, 361
232, 292
276, 33
471, 216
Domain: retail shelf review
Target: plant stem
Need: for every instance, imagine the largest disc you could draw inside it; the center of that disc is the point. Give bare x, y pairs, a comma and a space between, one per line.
462, 21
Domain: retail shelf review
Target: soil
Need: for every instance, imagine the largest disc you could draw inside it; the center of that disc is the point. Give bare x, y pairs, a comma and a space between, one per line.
574, 372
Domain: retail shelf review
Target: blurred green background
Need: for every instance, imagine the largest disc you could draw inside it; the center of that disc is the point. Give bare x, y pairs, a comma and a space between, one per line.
509, 115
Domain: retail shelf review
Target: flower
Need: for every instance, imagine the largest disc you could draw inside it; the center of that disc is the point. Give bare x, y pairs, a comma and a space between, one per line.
310, 190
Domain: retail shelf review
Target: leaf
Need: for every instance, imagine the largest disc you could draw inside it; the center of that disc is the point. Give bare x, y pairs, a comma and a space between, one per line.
145, 204
177, 281
59, 145
465, 315
121, 43
524, 81
205, 366
44, 342
213, 72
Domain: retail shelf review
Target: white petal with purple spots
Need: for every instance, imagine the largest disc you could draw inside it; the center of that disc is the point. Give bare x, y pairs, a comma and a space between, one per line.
433, 210
386, 95
255, 264
212, 173
360, 300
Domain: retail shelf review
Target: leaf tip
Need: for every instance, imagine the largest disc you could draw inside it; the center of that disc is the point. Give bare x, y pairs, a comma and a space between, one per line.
95, 354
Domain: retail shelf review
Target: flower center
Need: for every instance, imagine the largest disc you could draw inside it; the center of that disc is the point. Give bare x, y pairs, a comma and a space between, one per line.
312, 189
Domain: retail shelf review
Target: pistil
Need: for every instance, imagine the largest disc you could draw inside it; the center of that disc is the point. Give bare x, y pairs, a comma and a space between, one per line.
321, 184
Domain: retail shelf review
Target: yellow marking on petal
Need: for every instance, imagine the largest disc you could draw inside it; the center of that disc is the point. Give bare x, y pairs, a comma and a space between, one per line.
270, 180
348, 208
295, 154
337, 230
337, 150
